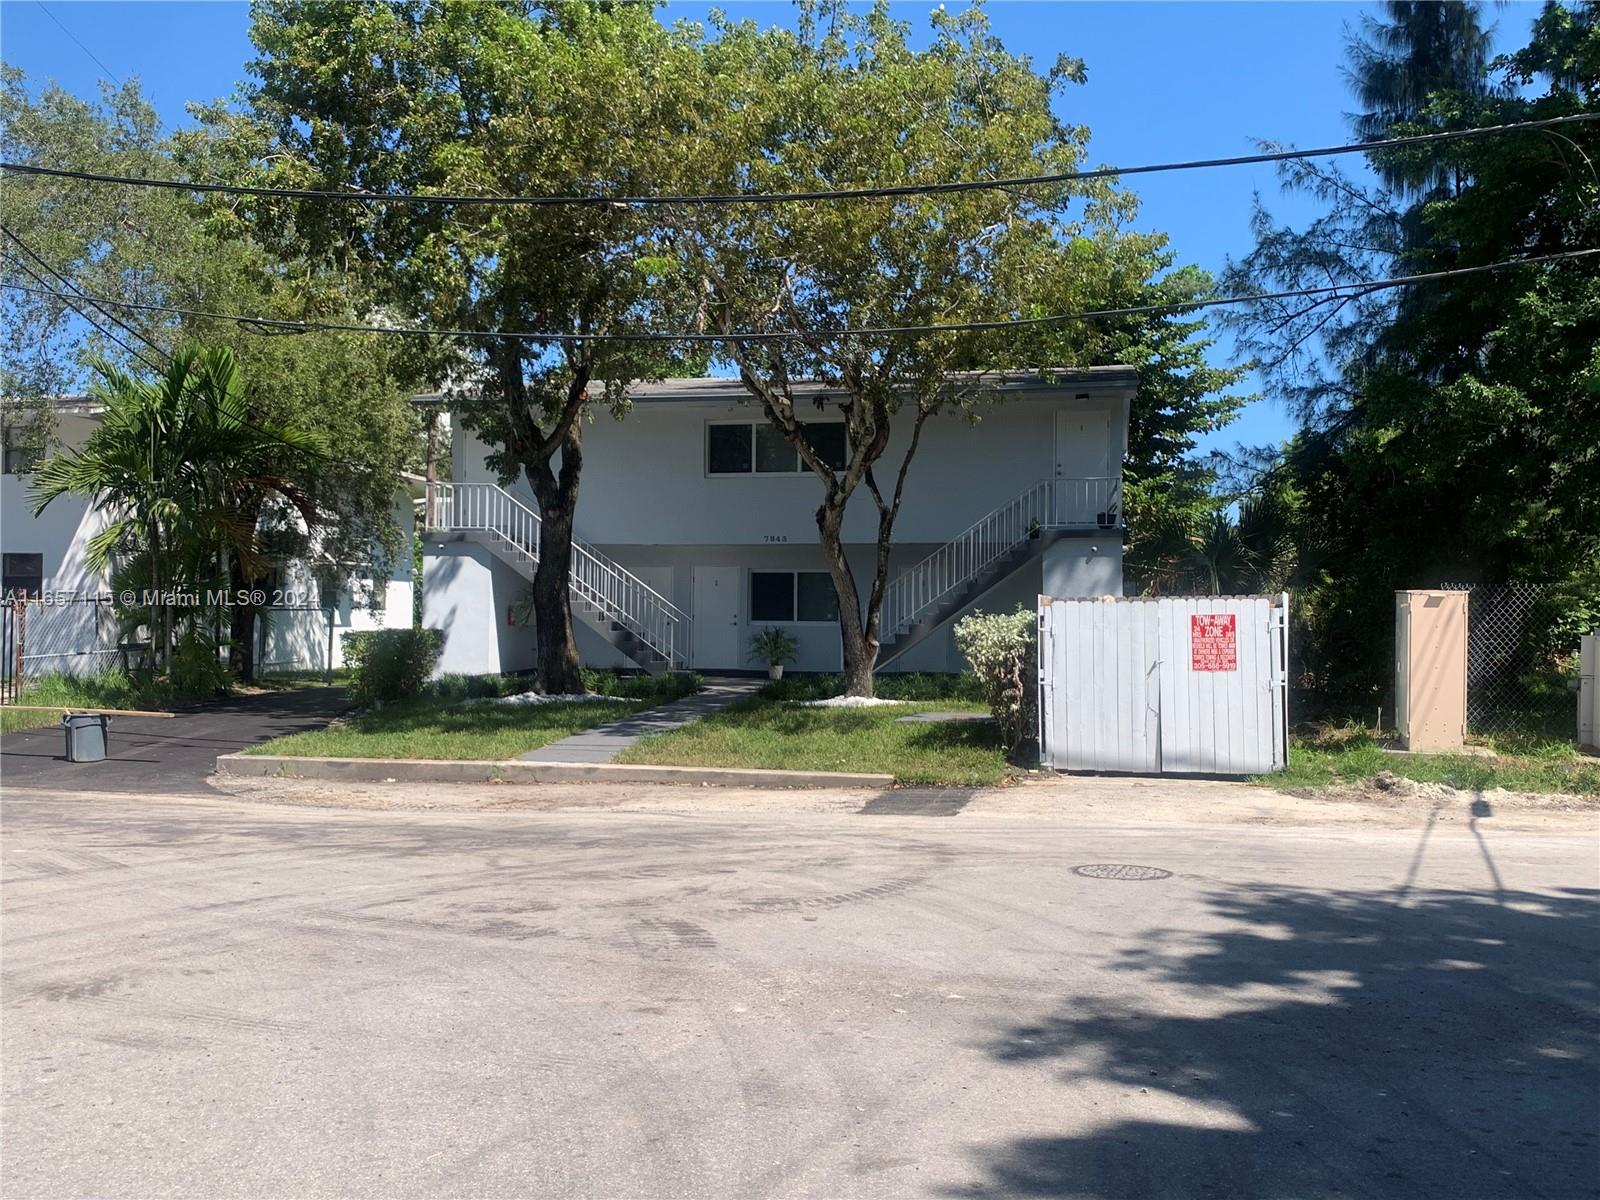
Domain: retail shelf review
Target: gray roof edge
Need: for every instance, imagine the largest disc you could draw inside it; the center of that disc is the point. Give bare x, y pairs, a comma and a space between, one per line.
1042, 382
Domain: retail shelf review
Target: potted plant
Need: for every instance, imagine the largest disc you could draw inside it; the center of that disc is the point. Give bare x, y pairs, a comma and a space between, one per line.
774, 647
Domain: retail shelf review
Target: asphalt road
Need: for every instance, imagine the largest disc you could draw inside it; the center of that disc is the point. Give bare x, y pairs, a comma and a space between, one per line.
211, 999
165, 754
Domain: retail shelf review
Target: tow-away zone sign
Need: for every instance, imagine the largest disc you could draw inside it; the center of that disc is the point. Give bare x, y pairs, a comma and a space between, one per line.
1214, 642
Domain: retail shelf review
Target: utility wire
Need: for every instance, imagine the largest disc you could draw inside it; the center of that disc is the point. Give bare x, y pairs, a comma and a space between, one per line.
160, 368
1335, 291
68, 282
99, 328
112, 75
910, 189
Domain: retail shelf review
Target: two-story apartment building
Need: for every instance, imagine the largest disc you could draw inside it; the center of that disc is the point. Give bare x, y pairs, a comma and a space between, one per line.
696, 528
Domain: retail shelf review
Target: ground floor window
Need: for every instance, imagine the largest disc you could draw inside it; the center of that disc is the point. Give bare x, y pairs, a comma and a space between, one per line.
792, 596
24, 575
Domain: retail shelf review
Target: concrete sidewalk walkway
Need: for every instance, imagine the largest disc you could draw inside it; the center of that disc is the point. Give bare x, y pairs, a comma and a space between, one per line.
603, 743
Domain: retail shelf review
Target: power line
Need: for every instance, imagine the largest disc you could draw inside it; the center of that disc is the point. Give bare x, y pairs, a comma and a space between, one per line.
68, 282
158, 368
1335, 291
910, 189
112, 75
98, 328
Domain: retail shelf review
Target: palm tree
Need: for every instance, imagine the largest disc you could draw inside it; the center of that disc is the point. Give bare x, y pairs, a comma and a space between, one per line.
1250, 555
176, 464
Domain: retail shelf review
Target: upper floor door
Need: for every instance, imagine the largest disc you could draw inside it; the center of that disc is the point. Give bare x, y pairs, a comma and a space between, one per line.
1083, 444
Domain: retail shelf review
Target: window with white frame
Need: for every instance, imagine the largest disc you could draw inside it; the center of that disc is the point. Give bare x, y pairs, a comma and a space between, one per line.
791, 596
756, 448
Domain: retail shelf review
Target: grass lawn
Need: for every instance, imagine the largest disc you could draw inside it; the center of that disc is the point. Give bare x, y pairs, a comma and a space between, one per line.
768, 731
443, 724
111, 690
1347, 756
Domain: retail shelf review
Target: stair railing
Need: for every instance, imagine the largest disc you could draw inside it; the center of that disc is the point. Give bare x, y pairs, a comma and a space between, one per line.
602, 583
1049, 504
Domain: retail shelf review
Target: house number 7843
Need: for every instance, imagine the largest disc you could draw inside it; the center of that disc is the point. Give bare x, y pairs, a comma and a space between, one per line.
774, 537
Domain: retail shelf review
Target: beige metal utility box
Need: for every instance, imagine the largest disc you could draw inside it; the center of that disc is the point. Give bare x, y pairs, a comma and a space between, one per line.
1430, 669
1589, 692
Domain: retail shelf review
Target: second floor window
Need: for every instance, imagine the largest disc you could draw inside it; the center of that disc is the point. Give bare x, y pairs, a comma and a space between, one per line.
20, 457
756, 448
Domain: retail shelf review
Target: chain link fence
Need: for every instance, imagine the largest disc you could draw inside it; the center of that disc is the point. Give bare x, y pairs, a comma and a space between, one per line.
74, 635
1517, 680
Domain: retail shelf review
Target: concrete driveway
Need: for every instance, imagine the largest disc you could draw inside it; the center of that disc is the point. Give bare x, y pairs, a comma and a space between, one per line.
214, 999
165, 754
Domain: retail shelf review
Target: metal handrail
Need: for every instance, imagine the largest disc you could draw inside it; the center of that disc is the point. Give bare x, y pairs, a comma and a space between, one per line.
595, 579
1048, 504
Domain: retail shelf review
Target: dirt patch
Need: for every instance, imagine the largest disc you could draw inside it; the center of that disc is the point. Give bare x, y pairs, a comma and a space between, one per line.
1387, 790
1385, 801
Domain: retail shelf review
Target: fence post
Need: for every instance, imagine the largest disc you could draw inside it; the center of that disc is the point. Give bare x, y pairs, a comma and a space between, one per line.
329, 676
22, 643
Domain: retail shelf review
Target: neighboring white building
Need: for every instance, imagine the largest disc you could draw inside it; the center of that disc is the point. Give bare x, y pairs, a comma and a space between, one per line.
45, 556
696, 529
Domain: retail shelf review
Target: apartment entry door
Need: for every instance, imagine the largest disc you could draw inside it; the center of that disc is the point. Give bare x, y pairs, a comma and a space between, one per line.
1083, 462
717, 596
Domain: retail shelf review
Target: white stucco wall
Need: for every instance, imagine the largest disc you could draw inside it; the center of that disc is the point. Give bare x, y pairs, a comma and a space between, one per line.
644, 477
467, 592
1076, 567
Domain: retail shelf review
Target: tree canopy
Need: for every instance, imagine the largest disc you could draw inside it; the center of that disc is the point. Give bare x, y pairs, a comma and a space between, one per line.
1450, 429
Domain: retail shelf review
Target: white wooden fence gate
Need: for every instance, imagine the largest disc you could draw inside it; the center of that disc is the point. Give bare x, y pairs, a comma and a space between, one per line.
1193, 685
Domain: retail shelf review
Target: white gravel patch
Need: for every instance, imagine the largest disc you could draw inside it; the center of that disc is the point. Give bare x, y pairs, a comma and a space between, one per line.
849, 702
555, 698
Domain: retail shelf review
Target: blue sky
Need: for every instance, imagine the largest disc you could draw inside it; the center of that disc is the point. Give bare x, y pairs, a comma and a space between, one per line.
1166, 81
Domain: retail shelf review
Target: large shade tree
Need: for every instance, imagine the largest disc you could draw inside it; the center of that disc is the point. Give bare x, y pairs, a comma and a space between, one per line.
845, 101
505, 99
1449, 430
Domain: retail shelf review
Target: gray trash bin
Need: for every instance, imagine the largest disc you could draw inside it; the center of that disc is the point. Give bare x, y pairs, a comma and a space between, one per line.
86, 736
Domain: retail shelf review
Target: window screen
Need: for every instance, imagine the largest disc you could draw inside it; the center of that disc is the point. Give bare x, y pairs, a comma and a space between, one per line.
772, 595
728, 449
773, 454
24, 575
828, 440
815, 599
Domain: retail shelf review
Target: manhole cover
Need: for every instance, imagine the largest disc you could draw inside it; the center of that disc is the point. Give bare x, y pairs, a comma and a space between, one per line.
1119, 871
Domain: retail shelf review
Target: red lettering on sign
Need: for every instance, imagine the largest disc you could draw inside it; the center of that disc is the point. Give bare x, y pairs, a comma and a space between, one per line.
1214, 642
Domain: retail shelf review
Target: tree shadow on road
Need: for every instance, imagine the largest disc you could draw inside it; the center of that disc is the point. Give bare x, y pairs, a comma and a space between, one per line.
1335, 1044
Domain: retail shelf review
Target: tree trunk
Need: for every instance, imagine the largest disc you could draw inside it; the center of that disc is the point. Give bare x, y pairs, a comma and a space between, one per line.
241, 624
242, 615
557, 493
860, 649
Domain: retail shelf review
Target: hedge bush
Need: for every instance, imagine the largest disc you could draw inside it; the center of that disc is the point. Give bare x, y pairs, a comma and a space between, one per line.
390, 664
1002, 649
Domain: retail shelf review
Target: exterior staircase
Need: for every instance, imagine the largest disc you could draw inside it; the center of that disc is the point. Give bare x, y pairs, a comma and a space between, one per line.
918, 601
655, 634
640, 622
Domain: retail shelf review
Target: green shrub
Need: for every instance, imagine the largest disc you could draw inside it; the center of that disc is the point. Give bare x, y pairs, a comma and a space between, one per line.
657, 689
1002, 651
773, 646
390, 664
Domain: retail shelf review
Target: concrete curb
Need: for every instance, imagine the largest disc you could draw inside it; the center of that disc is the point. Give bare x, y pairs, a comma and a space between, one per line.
435, 770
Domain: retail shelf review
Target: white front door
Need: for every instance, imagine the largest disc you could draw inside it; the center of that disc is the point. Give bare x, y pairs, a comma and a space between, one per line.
1083, 455
717, 597
1083, 442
